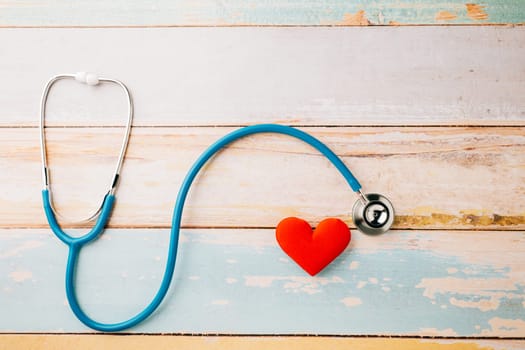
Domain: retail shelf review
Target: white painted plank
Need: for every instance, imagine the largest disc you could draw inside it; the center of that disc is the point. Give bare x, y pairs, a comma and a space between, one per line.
314, 76
436, 177
425, 283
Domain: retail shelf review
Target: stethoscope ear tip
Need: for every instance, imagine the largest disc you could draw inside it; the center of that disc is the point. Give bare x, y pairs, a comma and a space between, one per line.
375, 216
87, 78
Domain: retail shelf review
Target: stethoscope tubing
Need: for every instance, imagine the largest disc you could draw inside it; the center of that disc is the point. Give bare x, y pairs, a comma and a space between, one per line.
75, 244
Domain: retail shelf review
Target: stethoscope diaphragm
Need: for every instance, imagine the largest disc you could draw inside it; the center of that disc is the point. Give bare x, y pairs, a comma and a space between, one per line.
373, 214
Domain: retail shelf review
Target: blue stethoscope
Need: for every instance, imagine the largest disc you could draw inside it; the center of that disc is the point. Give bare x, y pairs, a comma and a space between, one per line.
372, 213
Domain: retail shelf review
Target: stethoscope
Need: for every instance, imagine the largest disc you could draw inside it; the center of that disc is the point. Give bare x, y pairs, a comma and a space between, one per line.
372, 213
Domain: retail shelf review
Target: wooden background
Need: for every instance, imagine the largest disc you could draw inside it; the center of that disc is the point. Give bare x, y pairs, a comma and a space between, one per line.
425, 105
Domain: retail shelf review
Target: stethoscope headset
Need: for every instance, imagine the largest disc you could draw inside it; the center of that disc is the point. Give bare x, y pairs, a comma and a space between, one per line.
372, 213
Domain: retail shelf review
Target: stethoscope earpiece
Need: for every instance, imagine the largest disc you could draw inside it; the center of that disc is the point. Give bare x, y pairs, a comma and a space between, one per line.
373, 214
90, 79
87, 78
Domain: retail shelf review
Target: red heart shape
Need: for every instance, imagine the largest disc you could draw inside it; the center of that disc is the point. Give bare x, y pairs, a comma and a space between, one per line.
312, 250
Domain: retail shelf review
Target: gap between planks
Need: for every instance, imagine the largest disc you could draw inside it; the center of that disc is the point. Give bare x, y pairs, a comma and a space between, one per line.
509, 25
269, 335
218, 228
357, 125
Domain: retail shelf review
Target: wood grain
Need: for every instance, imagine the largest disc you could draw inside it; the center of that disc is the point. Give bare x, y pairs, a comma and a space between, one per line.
442, 134
130, 342
437, 177
253, 12
299, 76
238, 281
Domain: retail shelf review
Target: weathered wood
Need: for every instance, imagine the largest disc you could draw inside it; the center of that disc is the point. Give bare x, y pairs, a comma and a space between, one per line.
236, 280
131, 342
247, 13
437, 177
301, 76
426, 283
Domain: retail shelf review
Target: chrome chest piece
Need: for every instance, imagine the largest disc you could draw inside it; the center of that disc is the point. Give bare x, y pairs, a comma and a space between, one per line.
373, 213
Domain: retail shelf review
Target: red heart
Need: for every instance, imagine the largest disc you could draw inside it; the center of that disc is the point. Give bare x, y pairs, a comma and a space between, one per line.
312, 250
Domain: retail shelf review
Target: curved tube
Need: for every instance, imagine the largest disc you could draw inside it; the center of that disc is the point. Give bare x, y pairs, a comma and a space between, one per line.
75, 244
105, 212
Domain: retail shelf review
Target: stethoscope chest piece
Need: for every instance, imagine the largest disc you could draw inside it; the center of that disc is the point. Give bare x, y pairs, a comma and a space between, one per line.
375, 216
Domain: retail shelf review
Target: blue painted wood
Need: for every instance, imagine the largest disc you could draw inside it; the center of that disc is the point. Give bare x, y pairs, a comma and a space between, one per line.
239, 281
255, 12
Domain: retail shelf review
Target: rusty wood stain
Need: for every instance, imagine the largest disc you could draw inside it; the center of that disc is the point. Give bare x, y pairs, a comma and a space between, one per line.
355, 19
441, 219
433, 220
476, 12
445, 16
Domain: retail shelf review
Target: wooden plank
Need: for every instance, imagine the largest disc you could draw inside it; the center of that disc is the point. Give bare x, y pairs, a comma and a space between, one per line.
247, 13
84, 342
238, 281
300, 76
436, 177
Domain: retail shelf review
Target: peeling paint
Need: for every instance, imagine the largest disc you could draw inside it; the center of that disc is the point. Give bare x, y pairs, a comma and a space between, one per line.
445, 16
502, 327
355, 19
308, 285
489, 273
425, 210
252, 238
259, 281
351, 301
20, 275
239, 13
449, 332
484, 294
483, 304
476, 12
447, 220
21, 248
480, 286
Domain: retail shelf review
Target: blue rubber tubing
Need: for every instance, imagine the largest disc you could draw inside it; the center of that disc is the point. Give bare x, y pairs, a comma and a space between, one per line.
75, 244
